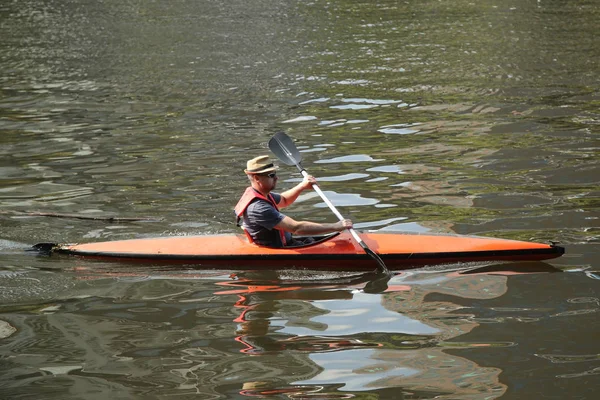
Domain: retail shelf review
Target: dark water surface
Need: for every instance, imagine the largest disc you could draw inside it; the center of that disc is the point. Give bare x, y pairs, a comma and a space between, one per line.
432, 116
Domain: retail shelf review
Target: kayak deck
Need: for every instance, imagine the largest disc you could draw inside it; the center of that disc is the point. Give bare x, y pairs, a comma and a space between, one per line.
398, 250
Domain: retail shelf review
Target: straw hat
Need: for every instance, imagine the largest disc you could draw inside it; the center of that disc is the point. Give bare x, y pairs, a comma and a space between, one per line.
259, 165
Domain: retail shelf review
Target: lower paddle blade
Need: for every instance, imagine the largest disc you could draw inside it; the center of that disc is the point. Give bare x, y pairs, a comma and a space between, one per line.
382, 267
284, 148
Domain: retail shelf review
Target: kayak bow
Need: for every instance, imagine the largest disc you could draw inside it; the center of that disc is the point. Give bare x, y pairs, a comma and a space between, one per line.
337, 251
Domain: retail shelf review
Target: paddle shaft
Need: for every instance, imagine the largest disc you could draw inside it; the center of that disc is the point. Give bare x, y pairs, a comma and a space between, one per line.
283, 146
352, 231
331, 206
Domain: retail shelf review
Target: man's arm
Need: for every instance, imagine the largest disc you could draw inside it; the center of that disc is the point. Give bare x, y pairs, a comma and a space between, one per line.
311, 228
289, 196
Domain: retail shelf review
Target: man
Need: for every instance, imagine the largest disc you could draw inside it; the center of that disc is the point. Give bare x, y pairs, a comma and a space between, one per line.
259, 208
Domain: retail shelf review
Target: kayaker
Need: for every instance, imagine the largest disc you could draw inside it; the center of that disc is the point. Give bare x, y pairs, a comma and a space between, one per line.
258, 208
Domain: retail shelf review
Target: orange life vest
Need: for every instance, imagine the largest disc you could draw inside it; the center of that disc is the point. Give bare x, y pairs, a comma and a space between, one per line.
249, 196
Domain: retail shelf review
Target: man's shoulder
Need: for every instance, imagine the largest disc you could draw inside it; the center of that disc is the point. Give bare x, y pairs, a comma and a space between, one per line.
259, 205
263, 213
259, 200
276, 197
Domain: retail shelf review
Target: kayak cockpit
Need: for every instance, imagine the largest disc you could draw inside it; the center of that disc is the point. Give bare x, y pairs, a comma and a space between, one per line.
299, 242
309, 241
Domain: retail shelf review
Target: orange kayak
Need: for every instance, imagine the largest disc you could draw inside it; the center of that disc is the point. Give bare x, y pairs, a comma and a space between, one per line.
338, 251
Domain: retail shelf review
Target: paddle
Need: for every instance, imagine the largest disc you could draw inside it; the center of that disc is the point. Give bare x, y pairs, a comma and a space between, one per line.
283, 147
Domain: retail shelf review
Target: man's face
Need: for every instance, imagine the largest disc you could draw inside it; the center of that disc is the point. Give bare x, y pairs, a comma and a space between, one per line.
267, 181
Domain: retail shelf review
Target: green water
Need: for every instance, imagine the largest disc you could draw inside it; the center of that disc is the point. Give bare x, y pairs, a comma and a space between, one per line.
436, 116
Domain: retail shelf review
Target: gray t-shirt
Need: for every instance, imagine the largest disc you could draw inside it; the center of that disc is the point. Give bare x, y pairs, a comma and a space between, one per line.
260, 218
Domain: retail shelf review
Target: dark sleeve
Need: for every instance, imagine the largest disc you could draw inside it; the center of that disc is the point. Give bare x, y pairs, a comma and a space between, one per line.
264, 214
277, 198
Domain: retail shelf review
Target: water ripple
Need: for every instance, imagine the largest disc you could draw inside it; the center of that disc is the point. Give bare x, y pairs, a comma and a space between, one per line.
349, 158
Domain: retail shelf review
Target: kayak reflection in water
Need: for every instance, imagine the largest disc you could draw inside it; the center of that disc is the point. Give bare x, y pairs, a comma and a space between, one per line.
258, 209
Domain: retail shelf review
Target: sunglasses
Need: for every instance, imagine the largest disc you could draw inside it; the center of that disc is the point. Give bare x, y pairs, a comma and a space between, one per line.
271, 175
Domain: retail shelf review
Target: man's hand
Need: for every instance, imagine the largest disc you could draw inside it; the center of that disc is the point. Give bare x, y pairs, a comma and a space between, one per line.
344, 224
308, 181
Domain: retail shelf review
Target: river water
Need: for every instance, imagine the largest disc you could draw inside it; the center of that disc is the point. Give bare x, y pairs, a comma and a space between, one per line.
423, 116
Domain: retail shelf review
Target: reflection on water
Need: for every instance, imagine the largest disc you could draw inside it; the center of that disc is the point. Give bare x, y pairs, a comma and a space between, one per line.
187, 332
194, 329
